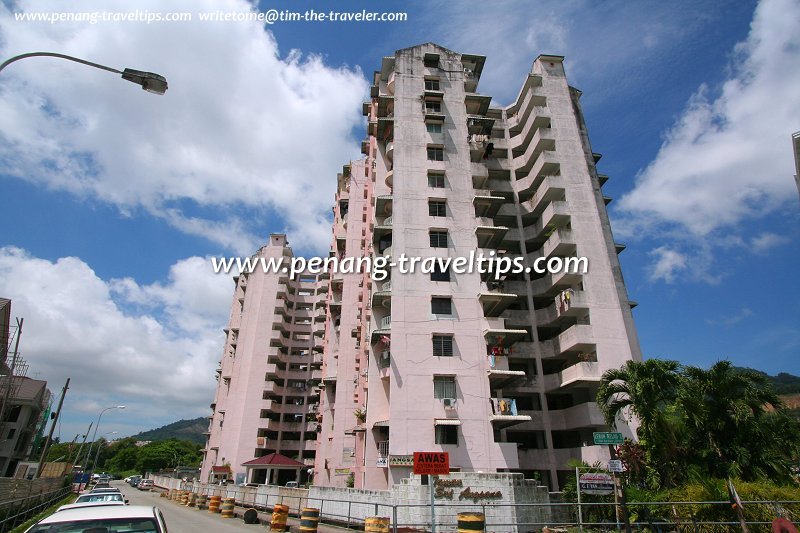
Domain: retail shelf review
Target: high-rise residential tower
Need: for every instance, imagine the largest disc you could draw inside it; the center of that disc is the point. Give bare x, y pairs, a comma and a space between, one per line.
500, 373
263, 424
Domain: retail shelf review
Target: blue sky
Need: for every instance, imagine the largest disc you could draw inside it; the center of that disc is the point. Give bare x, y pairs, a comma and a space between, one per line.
113, 198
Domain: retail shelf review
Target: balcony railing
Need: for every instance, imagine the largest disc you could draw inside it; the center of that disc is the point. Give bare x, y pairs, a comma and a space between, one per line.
386, 322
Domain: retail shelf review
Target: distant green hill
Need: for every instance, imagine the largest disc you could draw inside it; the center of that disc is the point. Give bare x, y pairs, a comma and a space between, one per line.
783, 383
191, 430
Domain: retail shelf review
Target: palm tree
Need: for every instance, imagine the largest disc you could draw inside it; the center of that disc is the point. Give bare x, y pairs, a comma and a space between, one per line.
725, 410
646, 391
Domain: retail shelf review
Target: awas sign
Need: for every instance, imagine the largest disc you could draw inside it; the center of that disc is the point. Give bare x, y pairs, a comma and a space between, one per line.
596, 483
432, 463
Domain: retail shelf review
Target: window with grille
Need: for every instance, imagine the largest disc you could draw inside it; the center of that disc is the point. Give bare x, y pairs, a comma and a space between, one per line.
438, 239
440, 274
433, 127
436, 181
441, 306
435, 153
432, 84
433, 106
437, 208
447, 435
443, 347
444, 387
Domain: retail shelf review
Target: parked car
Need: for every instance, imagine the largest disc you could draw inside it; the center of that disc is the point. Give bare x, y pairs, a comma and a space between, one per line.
103, 485
291, 484
101, 497
108, 490
106, 518
88, 504
134, 480
146, 484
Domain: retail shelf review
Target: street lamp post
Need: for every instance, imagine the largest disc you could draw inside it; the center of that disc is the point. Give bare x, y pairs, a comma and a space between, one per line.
97, 453
94, 437
150, 82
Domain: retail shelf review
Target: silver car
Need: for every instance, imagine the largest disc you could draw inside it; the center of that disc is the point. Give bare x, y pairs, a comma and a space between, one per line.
107, 518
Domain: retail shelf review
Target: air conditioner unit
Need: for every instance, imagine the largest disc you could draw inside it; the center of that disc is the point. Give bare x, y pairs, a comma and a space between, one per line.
449, 403
261, 442
467, 71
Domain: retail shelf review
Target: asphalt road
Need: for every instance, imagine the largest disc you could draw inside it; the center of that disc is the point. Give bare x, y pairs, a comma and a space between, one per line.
184, 519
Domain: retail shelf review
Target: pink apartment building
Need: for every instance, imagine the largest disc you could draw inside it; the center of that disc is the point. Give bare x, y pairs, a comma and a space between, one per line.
264, 410
500, 373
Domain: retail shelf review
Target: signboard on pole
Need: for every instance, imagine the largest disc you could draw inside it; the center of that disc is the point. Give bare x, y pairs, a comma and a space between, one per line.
615, 465
432, 463
607, 437
596, 483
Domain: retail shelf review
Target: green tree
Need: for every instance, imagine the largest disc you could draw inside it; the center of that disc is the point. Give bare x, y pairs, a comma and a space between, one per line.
646, 392
733, 421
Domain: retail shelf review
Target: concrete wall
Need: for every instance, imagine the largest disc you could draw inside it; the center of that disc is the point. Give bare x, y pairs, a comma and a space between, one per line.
408, 502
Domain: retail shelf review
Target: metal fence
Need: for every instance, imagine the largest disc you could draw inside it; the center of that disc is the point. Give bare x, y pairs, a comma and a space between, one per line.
656, 517
17, 511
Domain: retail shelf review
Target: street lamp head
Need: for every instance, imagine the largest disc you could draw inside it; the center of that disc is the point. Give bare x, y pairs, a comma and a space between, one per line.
150, 82
120, 407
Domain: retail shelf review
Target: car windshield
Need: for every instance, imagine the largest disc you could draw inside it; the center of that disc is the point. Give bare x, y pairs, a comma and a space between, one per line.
126, 525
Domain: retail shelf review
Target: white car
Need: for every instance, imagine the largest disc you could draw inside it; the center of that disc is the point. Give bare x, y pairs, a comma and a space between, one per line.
107, 518
81, 505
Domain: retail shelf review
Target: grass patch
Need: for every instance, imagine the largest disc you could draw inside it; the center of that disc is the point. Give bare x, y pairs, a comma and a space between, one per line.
69, 498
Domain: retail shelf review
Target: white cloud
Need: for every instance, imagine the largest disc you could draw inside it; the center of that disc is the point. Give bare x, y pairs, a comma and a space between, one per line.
667, 264
150, 347
728, 157
238, 128
731, 320
766, 241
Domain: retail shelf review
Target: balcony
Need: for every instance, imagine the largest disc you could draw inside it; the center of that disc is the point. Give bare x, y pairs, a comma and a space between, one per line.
389, 178
528, 181
487, 204
383, 205
479, 125
579, 374
477, 104
384, 359
574, 306
383, 296
560, 242
575, 339
503, 336
583, 415
384, 328
495, 302
552, 188
489, 236
506, 414
390, 150
550, 285
542, 140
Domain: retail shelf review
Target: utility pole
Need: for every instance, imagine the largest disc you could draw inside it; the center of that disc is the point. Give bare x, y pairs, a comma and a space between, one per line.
52, 428
80, 448
10, 380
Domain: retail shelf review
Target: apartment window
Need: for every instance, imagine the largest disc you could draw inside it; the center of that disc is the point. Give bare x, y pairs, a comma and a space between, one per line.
436, 181
447, 435
443, 347
444, 387
440, 274
435, 153
433, 106
431, 60
432, 84
433, 127
437, 208
438, 239
11, 433
441, 306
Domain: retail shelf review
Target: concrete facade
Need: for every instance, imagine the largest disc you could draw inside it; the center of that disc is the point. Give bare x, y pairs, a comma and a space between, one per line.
448, 175
501, 373
266, 400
